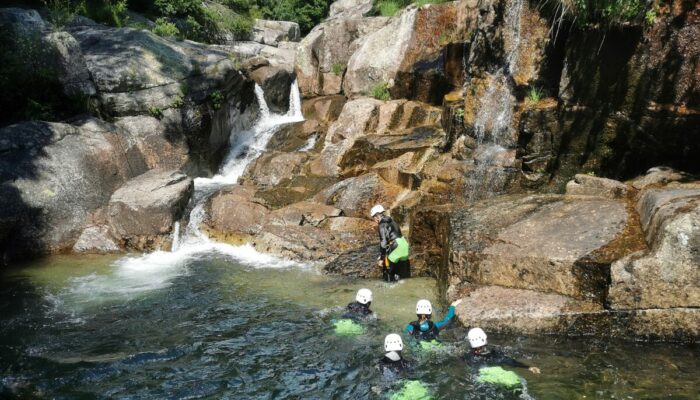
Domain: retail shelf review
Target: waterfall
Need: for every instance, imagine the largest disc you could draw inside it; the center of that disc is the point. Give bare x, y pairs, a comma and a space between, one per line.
138, 274
493, 123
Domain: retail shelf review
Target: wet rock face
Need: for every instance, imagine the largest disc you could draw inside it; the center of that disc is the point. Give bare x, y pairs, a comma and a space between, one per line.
276, 83
143, 212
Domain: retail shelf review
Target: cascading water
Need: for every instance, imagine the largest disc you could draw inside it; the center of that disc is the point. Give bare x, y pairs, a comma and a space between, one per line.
156, 270
493, 125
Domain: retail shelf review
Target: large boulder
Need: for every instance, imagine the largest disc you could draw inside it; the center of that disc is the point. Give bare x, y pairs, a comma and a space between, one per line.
350, 9
671, 219
67, 60
236, 213
272, 32
322, 56
54, 176
21, 22
281, 56
143, 212
416, 34
194, 89
544, 242
271, 168
518, 311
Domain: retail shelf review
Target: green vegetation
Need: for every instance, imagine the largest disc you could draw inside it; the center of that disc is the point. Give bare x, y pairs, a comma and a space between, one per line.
29, 82
534, 95
222, 18
217, 99
592, 13
388, 8
338, 69
459, 113
381, 91
61, 12
177, 102
155, 112
166, 28
109, 12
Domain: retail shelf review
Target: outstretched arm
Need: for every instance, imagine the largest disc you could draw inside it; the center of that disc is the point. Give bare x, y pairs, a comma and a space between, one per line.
408, 329
449, 316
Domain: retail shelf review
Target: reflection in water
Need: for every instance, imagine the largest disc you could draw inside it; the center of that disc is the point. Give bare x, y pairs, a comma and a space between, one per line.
235, 328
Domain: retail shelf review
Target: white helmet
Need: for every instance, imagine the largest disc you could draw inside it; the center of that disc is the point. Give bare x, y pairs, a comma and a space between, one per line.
424, 307
364, 296
477, 337
393, 342
376, 210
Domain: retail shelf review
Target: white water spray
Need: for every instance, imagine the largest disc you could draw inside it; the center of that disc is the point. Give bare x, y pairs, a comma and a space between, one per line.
493, 125
138, 274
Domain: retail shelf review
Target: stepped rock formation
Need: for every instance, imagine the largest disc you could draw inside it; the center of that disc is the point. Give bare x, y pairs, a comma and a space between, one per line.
515, 157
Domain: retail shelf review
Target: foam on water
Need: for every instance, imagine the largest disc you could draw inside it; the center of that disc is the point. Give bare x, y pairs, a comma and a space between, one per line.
148, 272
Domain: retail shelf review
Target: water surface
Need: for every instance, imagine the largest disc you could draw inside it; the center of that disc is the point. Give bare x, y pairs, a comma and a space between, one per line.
240, 325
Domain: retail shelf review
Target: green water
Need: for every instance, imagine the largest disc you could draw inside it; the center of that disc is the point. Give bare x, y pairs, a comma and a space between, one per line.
220, 326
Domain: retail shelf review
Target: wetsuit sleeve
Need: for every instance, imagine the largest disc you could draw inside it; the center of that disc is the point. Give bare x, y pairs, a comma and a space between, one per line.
408, 329
513, 362
502, 359
448, 317
383, 238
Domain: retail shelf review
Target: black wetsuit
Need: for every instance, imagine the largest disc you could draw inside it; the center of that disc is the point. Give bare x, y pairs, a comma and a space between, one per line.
389, 231
392, 369
357, 311
490, 358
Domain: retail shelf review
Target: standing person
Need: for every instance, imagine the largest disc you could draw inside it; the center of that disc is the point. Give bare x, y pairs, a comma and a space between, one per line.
393, 247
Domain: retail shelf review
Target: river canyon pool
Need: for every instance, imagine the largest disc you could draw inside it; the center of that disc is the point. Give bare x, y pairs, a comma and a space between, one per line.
233, 323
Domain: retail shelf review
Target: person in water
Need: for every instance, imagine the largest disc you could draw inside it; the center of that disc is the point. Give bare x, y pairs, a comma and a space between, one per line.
393, 247
359, 310
392, 364
481, 355
424, 329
